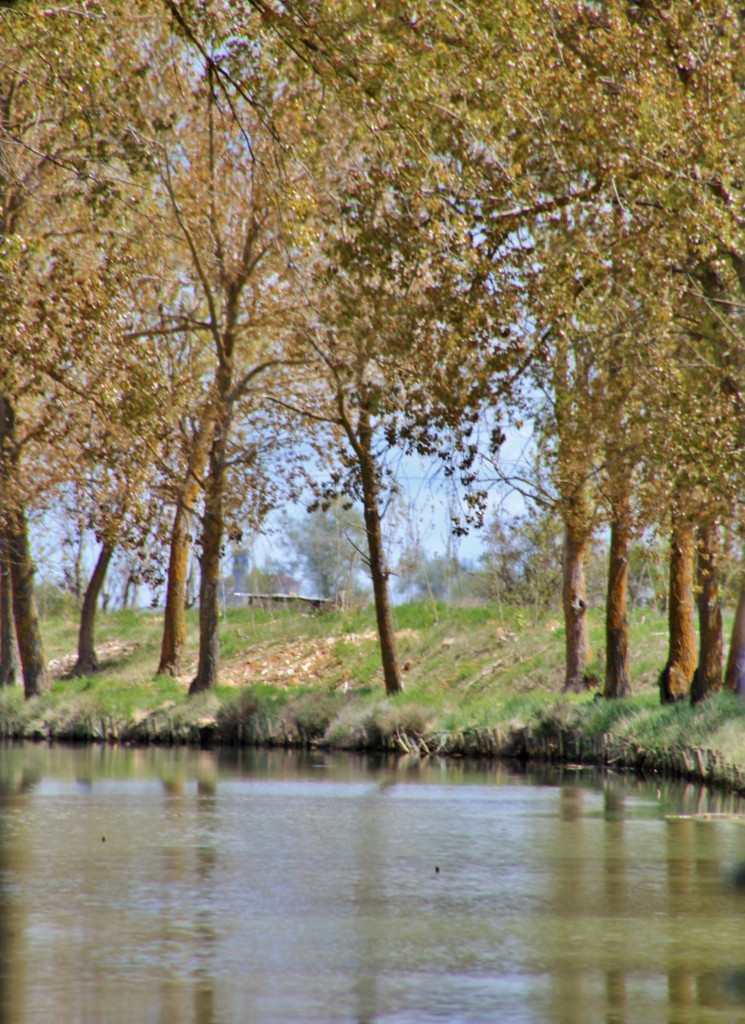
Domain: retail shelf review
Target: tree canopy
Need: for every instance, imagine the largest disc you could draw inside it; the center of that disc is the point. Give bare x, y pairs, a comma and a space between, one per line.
255, 251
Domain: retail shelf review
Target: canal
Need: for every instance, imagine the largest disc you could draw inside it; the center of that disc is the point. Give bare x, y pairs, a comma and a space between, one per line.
174, 885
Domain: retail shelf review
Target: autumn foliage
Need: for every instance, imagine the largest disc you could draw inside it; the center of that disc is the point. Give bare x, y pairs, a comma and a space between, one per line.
252, 253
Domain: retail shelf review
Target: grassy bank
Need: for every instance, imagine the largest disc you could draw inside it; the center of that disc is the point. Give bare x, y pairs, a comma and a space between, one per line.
481, 681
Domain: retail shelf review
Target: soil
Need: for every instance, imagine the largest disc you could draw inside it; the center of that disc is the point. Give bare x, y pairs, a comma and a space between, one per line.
110, 650
300, 662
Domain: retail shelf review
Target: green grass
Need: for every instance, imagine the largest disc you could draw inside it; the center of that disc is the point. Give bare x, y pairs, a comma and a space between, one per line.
469, 672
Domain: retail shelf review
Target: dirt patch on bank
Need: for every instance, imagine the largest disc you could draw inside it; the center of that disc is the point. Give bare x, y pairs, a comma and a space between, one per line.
110, 650
301, 662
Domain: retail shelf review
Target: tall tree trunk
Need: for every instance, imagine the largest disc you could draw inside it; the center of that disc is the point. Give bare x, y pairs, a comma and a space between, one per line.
734, 676
8, 652
675, 678
616, 620
574, 600
31, 648
213, 526
707, 678
209, 582
379, 571
87, 663
174, 616
28, 633
379, 574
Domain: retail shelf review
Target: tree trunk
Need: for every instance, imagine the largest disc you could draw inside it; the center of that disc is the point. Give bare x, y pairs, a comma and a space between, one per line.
675, 678
734, 677
707, 678
616, 621
574, 600
8, 652
28, 634
213, 526
174, 617
379, 571
87, 663
33, 662
209, 604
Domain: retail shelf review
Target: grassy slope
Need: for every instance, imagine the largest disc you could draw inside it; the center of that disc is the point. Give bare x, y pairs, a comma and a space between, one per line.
469, 671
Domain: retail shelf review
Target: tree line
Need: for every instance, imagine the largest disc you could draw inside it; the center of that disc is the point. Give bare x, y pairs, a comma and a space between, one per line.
255, 251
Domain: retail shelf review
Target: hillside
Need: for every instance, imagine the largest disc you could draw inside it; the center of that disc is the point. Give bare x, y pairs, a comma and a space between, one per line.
479, 680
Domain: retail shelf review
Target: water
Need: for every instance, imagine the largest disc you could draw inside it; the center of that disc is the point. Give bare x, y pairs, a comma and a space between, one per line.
184, 886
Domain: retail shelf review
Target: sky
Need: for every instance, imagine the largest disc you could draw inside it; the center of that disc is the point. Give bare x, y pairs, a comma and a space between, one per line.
422, 513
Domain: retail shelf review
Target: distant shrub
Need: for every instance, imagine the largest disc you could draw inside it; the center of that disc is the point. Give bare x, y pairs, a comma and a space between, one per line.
311, 714
53, 601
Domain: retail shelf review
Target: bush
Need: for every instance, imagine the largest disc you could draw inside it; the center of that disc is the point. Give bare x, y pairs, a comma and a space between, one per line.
311, 714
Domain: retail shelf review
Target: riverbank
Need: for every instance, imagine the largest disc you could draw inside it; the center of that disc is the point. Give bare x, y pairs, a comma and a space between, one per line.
482, 682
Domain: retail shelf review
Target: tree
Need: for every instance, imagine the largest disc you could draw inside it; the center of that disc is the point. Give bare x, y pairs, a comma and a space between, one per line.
25, 151
327, 547
186, 496
577, 505
734, 676
15, 528
384, 333
220, 184
707, 678
409, 317
613, 137
522, 559
55, 141
121, 517
676, 677
8, 653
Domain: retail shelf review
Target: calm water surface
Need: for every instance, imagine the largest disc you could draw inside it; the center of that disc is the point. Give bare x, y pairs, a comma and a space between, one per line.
169, 886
